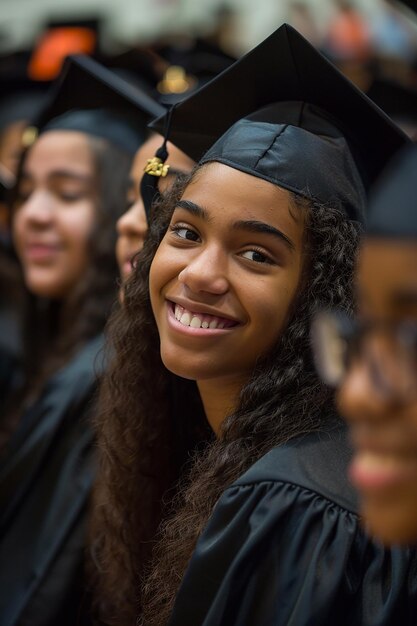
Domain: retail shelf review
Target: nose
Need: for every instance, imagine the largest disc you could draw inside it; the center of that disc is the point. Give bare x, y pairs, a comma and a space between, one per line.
360, 399
37, 209
133, 223
206, 272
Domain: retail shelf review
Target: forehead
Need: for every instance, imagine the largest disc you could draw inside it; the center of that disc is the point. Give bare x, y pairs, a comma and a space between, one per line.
387, 268
231, 195
59, 150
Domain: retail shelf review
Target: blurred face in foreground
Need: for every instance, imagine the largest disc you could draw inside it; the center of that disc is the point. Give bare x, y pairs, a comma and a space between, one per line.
378, 394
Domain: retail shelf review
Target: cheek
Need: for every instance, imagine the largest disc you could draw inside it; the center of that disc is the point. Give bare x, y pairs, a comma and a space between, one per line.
78, 224
272, 303
158, 274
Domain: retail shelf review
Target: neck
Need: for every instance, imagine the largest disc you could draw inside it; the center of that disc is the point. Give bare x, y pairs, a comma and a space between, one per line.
219, 398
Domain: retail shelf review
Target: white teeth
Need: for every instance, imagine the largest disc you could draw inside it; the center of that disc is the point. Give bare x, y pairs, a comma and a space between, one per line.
185, 319
195, 322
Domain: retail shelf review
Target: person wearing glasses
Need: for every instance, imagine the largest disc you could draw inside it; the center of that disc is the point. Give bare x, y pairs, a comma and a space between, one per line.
372, 360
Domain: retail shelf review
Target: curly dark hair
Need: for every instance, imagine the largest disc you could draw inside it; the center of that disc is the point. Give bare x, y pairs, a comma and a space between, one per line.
162, 470
54, 331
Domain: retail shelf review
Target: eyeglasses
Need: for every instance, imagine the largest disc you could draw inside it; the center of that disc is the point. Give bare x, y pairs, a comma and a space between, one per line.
389, 350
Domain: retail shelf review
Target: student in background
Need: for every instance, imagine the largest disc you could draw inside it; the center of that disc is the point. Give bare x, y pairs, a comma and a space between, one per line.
69, 194
132, 226
372, 359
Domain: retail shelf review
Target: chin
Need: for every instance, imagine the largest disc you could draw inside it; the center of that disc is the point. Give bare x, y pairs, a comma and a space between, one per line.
46, 289
393, 525
186, 368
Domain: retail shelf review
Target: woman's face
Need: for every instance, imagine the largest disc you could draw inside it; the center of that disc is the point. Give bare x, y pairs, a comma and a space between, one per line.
55, 213
225, 274
379, 393
132, 225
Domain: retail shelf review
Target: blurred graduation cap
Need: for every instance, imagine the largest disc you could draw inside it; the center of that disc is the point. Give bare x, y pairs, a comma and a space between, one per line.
20, 96
393, 205
88, 97
308, 129
21, 99
139, 65
59, 39
190, 63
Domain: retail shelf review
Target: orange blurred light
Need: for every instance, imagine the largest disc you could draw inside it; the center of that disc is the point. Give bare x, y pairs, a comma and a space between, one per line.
55, 45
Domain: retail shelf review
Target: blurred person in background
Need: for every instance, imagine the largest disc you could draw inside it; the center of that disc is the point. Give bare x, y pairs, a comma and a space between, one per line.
69, 193
372, 359
348, 34
132, 226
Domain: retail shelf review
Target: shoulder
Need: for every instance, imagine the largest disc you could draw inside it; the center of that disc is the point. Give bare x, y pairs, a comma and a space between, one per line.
89, 360
284, 543
317, 463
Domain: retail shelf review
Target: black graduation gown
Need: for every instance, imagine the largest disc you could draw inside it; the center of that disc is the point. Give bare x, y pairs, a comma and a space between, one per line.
46, 477
284, 548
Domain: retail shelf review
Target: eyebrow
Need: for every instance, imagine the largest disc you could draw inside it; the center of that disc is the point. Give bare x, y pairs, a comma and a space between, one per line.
251, 226
83, 178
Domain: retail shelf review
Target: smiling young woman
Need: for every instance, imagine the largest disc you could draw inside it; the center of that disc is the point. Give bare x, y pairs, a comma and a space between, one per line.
223, 497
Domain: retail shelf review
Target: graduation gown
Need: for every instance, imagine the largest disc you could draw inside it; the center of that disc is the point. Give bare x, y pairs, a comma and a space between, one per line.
284, 547
46, 477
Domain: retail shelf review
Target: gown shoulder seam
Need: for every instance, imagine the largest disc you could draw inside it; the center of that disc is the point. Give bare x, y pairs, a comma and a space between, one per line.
256, 483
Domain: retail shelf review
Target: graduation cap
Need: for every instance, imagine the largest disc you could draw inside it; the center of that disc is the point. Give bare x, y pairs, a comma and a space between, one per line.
285, 114
88, 97
21, 99
393, 205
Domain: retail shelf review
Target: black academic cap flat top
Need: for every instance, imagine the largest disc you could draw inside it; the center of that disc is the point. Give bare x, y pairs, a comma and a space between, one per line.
393, 205
20, 99
90, 98
286, 68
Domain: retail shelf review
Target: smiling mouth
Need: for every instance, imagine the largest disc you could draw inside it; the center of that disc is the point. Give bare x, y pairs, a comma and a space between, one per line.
200, 320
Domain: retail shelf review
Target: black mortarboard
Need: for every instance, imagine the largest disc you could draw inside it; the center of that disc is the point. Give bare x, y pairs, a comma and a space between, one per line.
393, 205
90, 98
20, 97
20, 100
286, 114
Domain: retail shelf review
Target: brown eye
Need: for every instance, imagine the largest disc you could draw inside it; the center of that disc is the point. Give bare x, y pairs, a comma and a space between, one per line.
183, 232
256, 255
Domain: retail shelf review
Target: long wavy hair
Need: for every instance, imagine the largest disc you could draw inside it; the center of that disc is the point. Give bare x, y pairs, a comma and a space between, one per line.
53, 331
162, 470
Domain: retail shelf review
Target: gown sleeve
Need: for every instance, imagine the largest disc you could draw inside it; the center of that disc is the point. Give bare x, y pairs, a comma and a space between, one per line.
277, 554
